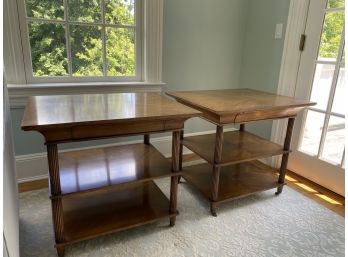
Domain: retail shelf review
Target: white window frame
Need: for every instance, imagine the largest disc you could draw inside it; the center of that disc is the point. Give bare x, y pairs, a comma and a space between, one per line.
24, 20
20, 88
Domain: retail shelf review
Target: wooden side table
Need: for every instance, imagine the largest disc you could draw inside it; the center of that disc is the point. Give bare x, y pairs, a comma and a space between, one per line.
104, 190
232, 170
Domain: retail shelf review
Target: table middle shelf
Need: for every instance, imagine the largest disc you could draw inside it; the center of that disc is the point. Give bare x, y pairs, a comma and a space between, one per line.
238, 146
109, 168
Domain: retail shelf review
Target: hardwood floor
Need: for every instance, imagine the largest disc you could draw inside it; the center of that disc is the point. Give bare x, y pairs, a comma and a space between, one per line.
32, 185
317, 193
306, 187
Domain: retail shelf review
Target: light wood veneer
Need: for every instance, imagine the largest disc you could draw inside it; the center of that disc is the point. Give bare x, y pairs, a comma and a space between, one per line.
68, 118
239, 105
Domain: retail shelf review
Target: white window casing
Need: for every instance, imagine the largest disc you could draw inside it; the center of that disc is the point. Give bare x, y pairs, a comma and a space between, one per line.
18, 71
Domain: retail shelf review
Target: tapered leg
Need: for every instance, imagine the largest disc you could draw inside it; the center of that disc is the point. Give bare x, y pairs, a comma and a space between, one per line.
60, 250
57, 208
181, 152
173, 198
285, 156
147, 139
174, 179
215, 190
242, 127
216, 169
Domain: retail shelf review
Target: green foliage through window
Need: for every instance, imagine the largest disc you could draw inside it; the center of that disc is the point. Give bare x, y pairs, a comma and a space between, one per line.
86, 50
89, 54
47, 9
335, 4
48, 52
331, 35
119, 12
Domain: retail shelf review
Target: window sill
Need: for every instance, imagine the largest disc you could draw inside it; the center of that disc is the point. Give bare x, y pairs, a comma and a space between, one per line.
18, 93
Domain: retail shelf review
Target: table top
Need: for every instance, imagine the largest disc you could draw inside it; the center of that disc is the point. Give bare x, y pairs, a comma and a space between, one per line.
234, 103
69, 110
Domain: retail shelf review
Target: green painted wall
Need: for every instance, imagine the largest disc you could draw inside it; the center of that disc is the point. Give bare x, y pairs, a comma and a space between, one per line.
202, 47
206, 46
262, 53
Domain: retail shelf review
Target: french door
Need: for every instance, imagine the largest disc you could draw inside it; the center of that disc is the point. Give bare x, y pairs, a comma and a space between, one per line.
319, 133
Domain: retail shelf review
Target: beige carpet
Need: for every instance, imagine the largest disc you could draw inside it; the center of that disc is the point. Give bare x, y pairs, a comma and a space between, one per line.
259, 225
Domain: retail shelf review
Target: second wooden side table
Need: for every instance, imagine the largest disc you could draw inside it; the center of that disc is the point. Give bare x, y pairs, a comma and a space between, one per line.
232, 170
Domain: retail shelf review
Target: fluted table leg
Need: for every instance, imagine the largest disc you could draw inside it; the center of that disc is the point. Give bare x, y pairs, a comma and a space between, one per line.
57, 207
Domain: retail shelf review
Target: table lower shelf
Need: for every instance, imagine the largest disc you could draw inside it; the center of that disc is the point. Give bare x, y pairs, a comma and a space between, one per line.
236, 180
90, 216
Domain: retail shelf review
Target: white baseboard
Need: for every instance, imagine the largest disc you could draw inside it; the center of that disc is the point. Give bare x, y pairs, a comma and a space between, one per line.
33, 167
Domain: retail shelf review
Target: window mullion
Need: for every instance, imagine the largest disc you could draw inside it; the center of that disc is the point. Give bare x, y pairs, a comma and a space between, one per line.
82, 23
67, 37
343, 157
325, 112
331, 95
102, 2
338, 9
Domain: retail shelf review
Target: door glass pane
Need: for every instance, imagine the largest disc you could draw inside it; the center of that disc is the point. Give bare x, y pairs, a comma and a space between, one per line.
119, 12
335, 4
339, 103
331, 36
120, 51
322, 85
45, 9
48, 50
312, 132
334, 141
86, 50
86, 11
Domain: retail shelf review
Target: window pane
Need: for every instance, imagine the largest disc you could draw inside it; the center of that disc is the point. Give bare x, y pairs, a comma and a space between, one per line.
86, 50
47, 9
120, 51
331, 36
334, 140
48, 50
335, 3
339, 103
322, 85
119, 12
82, 10
312, 132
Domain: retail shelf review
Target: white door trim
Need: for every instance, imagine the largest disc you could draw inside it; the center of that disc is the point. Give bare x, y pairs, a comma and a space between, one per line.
296, 25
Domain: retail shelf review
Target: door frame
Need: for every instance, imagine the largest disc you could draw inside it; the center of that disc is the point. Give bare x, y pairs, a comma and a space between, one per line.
288, 81
296, 25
